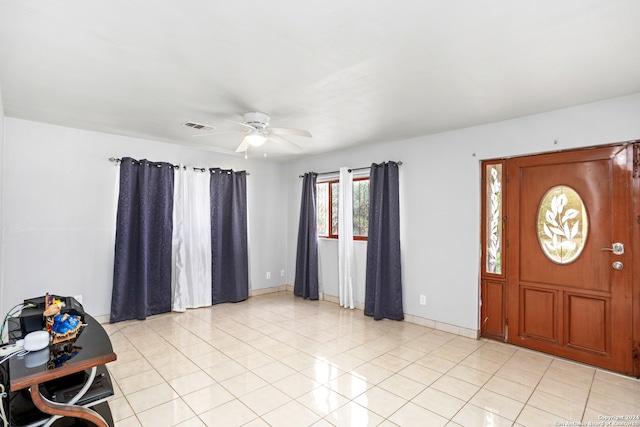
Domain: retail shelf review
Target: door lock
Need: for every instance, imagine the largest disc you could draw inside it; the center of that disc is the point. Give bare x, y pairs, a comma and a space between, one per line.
617, 248
617, 265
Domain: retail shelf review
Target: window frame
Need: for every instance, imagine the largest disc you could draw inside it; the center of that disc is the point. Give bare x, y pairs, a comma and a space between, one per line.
485, 218
330, 235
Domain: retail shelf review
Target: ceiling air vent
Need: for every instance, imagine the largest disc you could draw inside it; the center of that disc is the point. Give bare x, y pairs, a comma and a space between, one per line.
198, 126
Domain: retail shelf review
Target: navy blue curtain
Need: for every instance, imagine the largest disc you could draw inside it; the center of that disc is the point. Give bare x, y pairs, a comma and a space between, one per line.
142, 268
383, 289
229, 252
306, 282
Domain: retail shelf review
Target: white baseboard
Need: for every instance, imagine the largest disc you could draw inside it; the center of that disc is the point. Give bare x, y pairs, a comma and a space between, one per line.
256, 292
410, 318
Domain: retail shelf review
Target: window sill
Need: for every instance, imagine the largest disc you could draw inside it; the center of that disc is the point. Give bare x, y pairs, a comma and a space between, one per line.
336, 239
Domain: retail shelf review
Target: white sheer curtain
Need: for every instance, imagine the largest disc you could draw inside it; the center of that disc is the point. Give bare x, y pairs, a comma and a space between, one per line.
345, 240
191, 246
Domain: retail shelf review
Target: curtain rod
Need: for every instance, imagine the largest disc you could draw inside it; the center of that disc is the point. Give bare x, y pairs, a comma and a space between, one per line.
195, 168
350, 170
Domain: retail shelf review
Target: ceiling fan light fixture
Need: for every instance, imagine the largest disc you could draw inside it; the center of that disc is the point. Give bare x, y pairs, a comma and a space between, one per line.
256, 138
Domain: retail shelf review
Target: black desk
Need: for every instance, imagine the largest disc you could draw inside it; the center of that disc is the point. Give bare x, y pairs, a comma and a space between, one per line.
56, 365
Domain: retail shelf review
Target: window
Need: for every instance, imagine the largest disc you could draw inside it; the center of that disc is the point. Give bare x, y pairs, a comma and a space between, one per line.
493, 218
562, 224
327, 194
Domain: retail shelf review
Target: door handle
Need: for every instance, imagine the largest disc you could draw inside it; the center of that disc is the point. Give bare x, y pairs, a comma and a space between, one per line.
617, 248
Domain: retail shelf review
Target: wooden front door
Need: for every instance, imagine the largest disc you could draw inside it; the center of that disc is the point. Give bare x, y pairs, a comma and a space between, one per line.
567, 292
558, 239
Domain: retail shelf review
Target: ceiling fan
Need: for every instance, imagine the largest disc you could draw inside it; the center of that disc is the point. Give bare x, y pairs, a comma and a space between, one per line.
257, 132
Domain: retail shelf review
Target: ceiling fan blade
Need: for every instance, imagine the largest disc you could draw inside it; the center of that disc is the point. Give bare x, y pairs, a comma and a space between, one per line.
287, 131
243, 146
217, 133
285, 143
241, 124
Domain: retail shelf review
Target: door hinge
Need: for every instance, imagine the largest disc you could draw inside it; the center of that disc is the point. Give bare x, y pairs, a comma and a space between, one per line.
636, 160
636, 359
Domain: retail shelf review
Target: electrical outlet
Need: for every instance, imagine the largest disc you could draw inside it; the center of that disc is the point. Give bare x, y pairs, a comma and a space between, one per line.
282, 273
268, 275
423, 300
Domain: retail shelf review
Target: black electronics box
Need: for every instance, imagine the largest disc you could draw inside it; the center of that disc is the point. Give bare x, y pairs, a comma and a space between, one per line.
64, 389
32, 319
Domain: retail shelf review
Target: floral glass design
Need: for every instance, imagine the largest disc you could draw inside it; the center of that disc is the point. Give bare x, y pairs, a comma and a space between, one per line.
494, 219
562, 224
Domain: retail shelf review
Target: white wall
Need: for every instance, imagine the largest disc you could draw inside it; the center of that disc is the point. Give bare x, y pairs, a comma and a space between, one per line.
60, 201
440, 198
3, 309
58, 204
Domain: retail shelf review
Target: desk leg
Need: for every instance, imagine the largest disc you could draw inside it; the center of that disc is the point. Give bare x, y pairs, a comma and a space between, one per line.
53, 408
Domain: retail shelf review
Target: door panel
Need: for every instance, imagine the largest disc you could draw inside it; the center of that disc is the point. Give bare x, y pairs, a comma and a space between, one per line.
535, 181
588, 320
493, 308
538, 314
580, 310
493, 293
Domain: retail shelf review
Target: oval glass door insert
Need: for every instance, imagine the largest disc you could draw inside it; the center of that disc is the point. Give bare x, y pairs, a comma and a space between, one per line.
562, 224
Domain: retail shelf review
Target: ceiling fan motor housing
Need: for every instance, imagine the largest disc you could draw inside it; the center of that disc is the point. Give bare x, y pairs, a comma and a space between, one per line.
256, 120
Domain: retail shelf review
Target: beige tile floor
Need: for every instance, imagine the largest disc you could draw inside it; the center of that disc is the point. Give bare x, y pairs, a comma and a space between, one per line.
277, 360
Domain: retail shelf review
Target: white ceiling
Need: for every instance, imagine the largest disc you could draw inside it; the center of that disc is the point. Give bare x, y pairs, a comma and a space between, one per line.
351, 72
